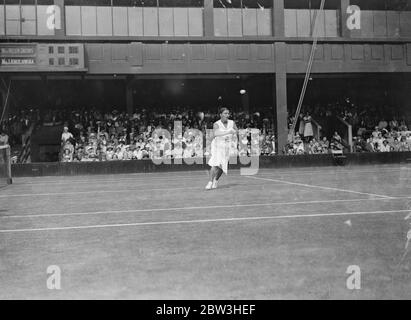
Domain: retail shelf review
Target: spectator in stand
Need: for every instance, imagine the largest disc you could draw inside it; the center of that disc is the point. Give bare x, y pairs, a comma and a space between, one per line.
308, 127
66, 135
68, 151
301, 126
360, 145
67, 156
404, 145
325, 145
336, 143
4, 138
298, 145
385, 147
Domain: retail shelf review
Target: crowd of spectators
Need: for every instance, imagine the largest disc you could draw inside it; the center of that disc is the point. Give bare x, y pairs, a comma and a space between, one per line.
375, 129
17, 125
90, 135
94, 135
390, 138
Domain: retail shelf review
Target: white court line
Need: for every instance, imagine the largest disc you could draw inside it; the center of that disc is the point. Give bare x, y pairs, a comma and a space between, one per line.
195, 174
92, 192
169, 188
153, 223
91, 180
319, 187
46, 215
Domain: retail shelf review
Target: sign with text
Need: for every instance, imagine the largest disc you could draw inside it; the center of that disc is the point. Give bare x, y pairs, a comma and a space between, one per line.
41, 57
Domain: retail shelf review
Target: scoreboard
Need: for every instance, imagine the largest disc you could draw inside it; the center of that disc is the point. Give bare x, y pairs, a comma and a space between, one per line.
42, 57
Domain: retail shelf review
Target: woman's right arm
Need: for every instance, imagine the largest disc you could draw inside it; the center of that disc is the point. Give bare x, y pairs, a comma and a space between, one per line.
219, 133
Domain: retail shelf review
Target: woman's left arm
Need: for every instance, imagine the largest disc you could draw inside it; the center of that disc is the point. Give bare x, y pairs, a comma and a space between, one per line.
235, 127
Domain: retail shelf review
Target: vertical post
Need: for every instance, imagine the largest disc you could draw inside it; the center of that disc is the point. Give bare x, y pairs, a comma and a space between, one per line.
5, 102
350, 142
208, 18
345, 33
8, 157
278, 18
280, 90
2, 101
62, 31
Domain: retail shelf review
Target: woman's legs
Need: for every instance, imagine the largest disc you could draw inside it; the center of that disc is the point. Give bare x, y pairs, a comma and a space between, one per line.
219, 173
215, 174
212, 175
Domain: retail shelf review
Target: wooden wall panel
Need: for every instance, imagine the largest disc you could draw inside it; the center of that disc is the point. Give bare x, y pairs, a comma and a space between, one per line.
2, 21
150, 19
104, 18
234, 58
380, 24
28, 23
195, 22
221, 51
220, 22
250, 22
89, 21
377, 52
290, 23
198, 51
152, 51
120, 23
337, 52
405, 23
166, 22
13, 20
393, 24
135, 21
180, 21
408, 53
235, 28
73, 20
303, 23
331, 23
264, 22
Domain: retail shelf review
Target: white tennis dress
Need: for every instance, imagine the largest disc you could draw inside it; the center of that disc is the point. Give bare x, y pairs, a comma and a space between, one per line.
220, 147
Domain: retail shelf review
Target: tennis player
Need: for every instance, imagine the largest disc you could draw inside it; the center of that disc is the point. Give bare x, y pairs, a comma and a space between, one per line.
224, 129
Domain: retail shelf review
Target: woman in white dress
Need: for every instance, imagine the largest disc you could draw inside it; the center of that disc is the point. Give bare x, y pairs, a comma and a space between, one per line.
224, 129
308, 128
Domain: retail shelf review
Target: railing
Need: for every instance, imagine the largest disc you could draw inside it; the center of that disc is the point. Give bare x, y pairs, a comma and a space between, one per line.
316, 129
347, 133
25, 154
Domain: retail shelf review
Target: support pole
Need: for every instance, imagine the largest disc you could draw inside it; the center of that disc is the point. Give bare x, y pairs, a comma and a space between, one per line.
208, 18
280, 91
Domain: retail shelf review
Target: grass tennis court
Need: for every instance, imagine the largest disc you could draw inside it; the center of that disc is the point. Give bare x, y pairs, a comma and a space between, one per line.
282, 234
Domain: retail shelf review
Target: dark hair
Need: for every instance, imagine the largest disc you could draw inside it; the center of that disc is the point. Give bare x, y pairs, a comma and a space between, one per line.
223, 109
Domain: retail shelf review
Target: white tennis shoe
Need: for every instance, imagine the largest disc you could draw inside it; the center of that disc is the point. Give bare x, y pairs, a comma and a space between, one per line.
215, 184
209, 185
